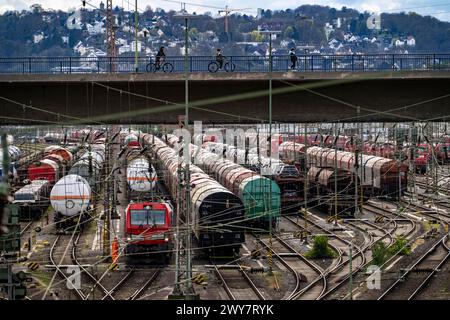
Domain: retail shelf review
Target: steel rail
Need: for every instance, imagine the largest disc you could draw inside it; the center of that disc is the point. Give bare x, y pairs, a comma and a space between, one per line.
422, 258
95, 281
52, 260
147, 284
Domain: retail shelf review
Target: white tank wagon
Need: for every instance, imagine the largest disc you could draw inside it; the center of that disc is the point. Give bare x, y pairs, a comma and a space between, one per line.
14, 153
141, 175
70, 197
90, 164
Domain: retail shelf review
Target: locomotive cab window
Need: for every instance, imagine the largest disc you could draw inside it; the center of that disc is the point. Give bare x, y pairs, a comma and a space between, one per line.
148, 217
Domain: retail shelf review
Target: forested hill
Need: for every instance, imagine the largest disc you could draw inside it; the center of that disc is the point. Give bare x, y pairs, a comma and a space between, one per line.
38, 32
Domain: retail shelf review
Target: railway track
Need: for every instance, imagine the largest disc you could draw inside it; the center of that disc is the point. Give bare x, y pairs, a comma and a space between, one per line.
392, 218
319, 283
25, 228
232, 280
429, 212
138, 293
60, 259
337, 274
443, 203
415, 278
63, 242
426, 186
96, 284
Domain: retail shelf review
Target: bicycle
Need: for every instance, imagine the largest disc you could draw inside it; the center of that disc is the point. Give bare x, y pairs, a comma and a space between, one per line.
166, 67
214, 66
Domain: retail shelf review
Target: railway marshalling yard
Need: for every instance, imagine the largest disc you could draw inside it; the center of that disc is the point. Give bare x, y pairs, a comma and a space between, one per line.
274, 262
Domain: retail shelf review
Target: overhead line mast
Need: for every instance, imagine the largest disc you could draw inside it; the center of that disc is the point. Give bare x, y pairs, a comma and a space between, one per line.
110, 34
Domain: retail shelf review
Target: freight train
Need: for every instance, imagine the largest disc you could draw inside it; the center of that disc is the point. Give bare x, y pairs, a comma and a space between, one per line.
141, 175
285, 175
52, 166
260, 195
387, 149
377, 175
71, 195
149, 219
33, 199
215, 212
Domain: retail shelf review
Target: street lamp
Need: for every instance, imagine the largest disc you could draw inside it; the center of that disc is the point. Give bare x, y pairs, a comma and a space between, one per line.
189, 294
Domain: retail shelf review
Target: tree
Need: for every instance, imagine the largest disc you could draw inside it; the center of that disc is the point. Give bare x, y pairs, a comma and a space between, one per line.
193, 33
256, 36
289, 32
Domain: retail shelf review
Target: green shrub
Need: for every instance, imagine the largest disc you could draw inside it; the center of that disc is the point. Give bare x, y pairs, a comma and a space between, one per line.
400, 246
380, 253
320, 249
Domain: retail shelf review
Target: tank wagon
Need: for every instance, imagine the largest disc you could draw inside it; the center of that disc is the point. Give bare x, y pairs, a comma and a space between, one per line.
260, 195
70, 198
215, 212
285, 175
52, 166
141, 175
90, 164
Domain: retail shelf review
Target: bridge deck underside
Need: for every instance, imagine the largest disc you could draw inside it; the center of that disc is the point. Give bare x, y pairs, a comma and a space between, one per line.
225, 101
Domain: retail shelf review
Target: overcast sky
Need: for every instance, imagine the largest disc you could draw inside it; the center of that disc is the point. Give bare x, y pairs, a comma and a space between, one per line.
437, 8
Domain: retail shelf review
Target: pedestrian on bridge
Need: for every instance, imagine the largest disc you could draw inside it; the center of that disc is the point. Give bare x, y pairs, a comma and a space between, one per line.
293, 58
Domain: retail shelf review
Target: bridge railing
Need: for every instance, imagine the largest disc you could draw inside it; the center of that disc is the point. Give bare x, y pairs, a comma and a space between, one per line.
281, 63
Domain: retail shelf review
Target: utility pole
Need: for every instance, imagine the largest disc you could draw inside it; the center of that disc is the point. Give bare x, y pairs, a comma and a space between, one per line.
350, 260
177, 291
356, 166
107, 206
189, 293
335, 176
136, 17
270, 33
305, 185
111, 35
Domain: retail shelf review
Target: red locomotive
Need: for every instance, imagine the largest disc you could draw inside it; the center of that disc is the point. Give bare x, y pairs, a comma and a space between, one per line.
148, 231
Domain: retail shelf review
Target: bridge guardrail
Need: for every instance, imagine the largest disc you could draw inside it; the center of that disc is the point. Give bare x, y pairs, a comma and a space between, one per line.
281, 63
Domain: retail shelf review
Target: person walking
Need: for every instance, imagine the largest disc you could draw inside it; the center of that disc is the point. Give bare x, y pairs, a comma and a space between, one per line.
293, 58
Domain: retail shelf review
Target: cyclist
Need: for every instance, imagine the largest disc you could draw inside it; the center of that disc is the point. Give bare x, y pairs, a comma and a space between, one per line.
160, 57
293, 57
219, 58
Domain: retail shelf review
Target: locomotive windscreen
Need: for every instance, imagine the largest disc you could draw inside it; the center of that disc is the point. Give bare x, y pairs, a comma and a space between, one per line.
147, 217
